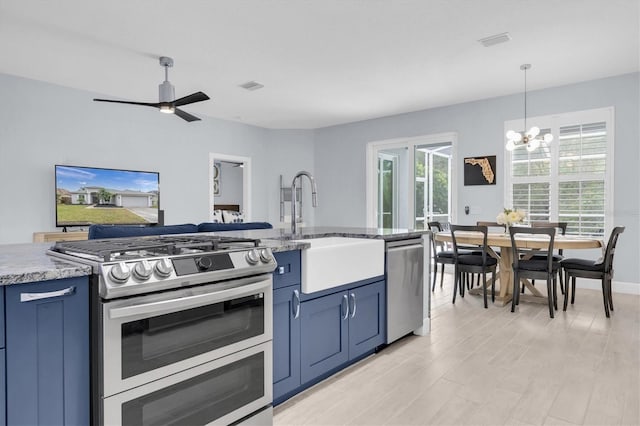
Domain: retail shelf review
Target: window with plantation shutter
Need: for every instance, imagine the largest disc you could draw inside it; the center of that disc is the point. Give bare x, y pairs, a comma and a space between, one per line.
568, 179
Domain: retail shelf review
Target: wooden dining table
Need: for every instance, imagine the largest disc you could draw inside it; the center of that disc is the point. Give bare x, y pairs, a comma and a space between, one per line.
505, 256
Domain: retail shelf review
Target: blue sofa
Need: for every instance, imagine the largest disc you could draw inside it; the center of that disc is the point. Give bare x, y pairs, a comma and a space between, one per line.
117, 231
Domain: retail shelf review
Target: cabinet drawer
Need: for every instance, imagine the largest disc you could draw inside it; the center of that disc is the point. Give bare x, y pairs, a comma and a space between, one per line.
288, 270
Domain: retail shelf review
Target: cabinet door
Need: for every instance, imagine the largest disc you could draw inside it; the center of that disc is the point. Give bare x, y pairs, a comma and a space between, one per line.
286, 340
47, 351
3, 394
367, 318
324, 337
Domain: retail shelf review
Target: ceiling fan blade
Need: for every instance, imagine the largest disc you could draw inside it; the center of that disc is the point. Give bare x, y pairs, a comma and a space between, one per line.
185, 115
157, 105
192, 98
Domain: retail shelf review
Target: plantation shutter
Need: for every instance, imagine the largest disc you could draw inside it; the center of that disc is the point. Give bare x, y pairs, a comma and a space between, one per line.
581, 171
565, 180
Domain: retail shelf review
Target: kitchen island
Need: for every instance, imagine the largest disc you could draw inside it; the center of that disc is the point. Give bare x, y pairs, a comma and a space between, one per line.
53, 326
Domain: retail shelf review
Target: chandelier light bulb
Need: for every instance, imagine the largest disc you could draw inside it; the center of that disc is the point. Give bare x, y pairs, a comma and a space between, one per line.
510, 145
533, 132
533, 145
548, 138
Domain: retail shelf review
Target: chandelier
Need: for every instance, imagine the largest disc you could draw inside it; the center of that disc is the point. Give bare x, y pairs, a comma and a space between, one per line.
529, 138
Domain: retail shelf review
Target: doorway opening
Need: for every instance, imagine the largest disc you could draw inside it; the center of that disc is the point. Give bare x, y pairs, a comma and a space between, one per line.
230, 183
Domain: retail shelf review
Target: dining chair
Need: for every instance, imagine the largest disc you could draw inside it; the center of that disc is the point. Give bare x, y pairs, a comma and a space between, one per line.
469, 263
557, 257
441, 254
539, 268
601, 269
491, 225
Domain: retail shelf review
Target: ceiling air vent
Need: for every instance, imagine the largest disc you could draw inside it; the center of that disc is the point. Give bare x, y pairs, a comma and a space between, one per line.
495, 39
252, 85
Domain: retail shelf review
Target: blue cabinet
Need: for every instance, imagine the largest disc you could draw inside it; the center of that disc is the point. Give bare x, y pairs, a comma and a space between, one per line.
325, 332
340, 327
324, 327
3, 376
47, 352
286, 323
3, 383
286, 340
367, 320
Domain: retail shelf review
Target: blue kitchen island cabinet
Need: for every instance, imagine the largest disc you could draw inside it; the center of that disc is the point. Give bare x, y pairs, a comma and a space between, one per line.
286, 324
3, 375
286, 340
47, 352
340, 327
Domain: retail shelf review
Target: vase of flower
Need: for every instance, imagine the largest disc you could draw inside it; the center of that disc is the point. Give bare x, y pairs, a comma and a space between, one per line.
508, 217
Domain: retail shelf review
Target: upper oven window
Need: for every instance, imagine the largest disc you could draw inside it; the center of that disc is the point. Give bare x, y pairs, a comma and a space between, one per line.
157, 341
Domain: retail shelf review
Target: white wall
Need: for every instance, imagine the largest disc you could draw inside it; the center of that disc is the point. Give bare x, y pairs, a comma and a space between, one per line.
43, 124
340, 153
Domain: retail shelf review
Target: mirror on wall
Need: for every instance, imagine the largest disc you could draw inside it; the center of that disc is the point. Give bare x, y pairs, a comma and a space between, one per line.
229, 185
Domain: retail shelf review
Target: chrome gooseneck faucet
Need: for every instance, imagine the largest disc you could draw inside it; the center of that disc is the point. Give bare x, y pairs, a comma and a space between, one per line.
294, 196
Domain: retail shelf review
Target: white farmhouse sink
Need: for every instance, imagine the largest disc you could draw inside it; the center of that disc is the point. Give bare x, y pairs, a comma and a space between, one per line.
335, 261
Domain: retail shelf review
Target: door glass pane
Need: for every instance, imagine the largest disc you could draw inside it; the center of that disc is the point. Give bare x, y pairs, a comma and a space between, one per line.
154, 342
202, 399
441, 185
387, 194
432, 183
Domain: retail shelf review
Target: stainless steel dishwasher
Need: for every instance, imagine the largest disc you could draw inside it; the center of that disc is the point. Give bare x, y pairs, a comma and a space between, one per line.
405, 287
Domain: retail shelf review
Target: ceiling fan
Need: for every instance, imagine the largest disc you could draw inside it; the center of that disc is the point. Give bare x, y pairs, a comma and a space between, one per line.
168, 104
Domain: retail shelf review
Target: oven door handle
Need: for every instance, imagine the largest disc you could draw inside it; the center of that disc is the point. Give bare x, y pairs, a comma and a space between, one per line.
187, 302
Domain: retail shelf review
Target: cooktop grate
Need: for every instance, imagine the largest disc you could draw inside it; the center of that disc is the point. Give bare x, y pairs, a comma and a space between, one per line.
140, 247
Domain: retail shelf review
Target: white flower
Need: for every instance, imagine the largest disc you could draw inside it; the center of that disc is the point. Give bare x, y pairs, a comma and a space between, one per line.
502, 218
509, 217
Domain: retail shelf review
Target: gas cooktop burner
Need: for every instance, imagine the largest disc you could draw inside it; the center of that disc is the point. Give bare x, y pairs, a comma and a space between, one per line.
142, 265
108, 250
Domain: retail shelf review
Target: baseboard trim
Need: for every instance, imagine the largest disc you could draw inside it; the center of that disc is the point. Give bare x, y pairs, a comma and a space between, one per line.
617, 286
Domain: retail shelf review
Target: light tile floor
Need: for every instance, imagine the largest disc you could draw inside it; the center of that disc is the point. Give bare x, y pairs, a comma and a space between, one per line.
491, 367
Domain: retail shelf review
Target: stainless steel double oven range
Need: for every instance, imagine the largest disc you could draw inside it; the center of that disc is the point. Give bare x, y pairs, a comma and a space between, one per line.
181, 329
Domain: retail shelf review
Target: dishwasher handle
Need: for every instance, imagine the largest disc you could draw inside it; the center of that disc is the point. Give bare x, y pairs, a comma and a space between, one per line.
403, 244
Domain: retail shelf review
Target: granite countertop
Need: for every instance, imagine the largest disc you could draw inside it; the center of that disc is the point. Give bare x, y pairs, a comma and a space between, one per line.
281, 236
26, 263
29, 262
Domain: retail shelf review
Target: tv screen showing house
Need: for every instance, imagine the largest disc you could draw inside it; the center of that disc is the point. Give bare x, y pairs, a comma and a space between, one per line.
89, 195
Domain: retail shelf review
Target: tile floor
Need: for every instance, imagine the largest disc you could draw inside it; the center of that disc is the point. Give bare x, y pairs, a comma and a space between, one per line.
492, 367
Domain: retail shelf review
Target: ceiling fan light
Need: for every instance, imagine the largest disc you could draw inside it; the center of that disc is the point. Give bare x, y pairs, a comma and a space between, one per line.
167, 109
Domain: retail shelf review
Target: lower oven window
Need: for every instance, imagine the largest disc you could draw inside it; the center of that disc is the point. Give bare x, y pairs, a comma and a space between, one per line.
202, 399
150, 343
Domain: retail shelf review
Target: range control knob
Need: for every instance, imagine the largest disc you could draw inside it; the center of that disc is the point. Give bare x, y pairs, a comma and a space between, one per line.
252, 257
163, 268
120, 272
265, 255
204, 263
142, 270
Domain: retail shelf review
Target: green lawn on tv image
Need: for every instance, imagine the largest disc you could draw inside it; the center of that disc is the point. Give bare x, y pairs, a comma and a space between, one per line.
72, 214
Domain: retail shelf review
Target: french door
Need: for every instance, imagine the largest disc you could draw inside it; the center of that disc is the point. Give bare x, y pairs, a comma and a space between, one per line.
410, 183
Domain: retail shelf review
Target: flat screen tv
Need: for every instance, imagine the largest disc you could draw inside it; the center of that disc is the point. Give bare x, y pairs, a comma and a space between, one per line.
90, 195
